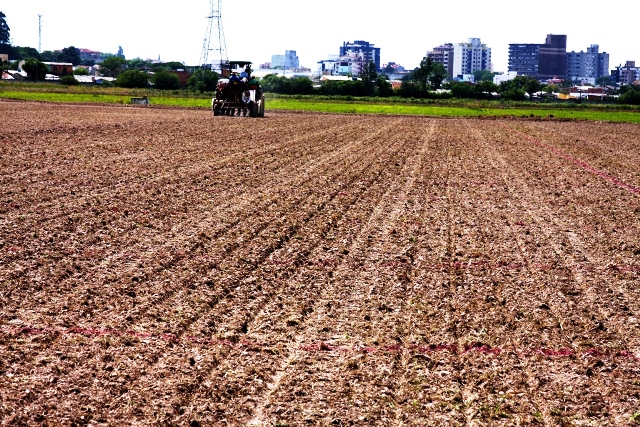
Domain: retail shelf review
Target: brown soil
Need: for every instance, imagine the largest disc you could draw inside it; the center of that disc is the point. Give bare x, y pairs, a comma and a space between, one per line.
160, 266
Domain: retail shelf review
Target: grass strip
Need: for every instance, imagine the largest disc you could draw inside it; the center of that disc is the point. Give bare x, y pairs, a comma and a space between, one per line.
275, 103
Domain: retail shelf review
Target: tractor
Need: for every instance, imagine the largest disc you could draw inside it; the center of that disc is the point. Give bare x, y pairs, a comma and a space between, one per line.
238, 93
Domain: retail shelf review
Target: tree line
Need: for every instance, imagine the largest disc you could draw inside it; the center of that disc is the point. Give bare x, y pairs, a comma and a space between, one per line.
425, 81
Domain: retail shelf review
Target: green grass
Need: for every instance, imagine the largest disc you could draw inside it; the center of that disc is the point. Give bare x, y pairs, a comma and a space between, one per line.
340, 105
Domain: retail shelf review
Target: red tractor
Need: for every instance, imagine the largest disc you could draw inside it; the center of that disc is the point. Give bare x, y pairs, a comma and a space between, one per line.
238, 93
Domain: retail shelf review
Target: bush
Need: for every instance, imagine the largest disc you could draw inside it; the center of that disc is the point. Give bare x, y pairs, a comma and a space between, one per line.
81, 72
69, 81
165, 80
132, 79
301, 86
631, 97
344, 87
462, 90
514, 94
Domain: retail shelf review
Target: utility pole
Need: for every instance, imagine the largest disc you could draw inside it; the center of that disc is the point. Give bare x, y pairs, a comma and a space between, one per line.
39, 33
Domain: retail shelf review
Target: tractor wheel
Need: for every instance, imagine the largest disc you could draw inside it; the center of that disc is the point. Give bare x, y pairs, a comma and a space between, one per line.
216, 109
253, 112
261, 112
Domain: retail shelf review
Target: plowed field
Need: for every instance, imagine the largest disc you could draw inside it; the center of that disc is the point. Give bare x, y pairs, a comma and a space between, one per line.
160, 266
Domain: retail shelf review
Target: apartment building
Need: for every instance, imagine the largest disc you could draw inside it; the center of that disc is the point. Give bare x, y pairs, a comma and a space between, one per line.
587, 67
471, 56
287, 61
443, 54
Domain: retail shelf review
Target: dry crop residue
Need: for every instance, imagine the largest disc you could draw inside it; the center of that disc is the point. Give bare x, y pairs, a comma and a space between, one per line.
162, 266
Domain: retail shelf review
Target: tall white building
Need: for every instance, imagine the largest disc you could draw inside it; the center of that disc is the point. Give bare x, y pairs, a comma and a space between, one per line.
471, 56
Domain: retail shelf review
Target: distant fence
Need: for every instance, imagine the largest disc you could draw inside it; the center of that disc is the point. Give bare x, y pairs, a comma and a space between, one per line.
141, 101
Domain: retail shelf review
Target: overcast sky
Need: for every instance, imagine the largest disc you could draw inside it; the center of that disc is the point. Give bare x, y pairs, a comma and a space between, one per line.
254, 30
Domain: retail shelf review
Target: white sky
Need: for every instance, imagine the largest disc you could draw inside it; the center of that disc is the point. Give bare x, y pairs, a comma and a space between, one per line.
254, 30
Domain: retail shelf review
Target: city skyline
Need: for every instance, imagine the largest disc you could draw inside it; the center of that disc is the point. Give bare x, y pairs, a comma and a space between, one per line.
148, 32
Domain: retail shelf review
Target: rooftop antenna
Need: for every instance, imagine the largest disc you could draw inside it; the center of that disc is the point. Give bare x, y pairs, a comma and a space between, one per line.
218, 44
39, 33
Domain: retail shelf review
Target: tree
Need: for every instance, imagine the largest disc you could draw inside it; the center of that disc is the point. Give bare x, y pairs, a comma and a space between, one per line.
388, 69
369, 75
484, 89
462, 90
25, 53
438, 75
165, 80
430, 73
35, 69
120, 53
112, 66
4, 66
513, 94
172, 65
630, 96
411, 89
132, 79
5, 33
301, 86
49, 56
70, 54
422, 73
80, 71
276, 84
203, 80
139, 64
383, 86
551, 88
483, 75
514, 88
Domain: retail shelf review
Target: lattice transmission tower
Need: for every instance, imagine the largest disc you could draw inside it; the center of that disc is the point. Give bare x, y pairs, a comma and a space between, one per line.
214, 43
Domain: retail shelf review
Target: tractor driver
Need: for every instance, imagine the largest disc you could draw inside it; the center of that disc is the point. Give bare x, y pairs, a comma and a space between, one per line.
234, 79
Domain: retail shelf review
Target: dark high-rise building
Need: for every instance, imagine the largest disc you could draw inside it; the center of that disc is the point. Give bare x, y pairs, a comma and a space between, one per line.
541, 61
523, 59
552, 57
